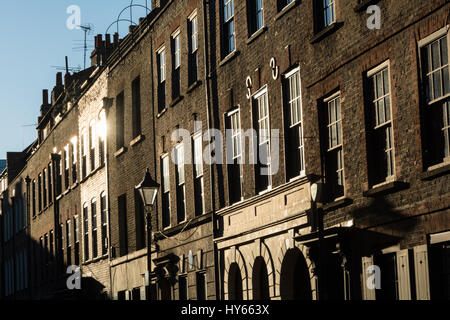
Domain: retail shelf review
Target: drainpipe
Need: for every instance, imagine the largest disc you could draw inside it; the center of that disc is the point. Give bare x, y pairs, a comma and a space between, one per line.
55, 158
155, 209
210, 117
28, 232
106, 105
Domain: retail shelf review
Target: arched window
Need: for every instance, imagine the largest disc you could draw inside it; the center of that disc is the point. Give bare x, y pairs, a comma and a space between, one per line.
294, 279
234, 283
260, 280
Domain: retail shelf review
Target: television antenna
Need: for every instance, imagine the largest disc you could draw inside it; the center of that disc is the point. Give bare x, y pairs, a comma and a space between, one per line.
88, 29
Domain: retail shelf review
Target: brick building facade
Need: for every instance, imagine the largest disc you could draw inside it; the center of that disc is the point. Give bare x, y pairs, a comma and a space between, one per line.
350, 121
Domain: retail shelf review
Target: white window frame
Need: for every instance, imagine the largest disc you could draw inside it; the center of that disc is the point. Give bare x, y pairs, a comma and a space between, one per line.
300, 121
385, 65
176, 43
225, 4
333, 97
194, 33
198, 161
256, 96
236, 136
161, 53
421, 44
180, 167
164, 180
332, 4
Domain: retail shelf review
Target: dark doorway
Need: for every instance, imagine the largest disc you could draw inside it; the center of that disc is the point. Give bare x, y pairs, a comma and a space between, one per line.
440, 271
260, 280
295, 282
165, 289
234, 283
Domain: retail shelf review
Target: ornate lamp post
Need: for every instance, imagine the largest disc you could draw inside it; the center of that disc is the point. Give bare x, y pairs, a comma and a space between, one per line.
148, 189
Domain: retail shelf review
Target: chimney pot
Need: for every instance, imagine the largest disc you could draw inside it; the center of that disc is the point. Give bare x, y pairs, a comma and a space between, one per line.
99, 41
108, 40
116, 38
44, 97
59, 79
132, 28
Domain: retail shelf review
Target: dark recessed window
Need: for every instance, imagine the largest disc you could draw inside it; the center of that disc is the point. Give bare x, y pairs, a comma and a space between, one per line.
136, 106
182, 288
161, 60
123, 225
176, 65
201, 285
120, 121
283, 3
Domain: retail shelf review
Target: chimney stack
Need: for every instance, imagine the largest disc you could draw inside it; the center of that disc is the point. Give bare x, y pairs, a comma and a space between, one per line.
116, 39
59, 81
98, 41
108, 40
132, 28
45, 97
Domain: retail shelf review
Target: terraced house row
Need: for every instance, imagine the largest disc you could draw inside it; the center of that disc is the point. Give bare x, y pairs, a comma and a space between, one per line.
349, 126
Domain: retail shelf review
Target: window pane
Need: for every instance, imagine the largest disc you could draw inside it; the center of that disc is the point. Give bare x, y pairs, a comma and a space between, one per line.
435, 55
386, 81
437, 85
387, 108
444, 51
379, 87
446, 80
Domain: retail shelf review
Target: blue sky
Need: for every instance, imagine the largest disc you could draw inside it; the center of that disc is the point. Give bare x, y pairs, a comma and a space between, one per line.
34, 37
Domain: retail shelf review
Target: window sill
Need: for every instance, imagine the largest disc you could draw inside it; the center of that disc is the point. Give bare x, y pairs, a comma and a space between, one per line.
336, 204
137, 140
193, 86
386, 188
326, 32
186, 225
229, 57
287, 9
120, 152
364, 4
159, 115
436, 171
176, 101
256, 35
96, 259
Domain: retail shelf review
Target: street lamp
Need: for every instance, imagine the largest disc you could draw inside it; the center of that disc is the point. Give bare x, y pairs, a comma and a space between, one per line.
148, 189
